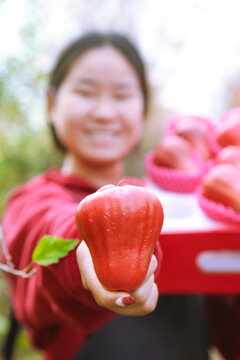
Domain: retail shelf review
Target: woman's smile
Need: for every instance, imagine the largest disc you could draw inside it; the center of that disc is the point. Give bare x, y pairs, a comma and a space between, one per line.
103, 136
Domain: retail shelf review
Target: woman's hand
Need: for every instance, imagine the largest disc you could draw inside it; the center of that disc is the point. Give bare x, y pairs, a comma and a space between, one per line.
140, 302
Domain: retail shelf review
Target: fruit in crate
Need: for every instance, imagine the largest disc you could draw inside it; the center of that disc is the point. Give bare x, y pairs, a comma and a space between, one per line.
228, 130
174, 152
229, 155
196, 132
222, 185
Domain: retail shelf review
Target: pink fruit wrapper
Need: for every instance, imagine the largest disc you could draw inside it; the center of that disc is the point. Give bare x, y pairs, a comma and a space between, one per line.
171, 179
217, 211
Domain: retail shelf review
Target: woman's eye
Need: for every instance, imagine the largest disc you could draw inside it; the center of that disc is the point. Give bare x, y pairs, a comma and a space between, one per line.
122, 96
84, 93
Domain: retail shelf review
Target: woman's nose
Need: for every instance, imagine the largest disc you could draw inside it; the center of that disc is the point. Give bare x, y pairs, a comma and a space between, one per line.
104, 110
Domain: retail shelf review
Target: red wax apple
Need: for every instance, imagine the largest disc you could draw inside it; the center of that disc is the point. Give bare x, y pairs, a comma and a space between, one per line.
222, 184
228, 131
175, 152
196, 133
120, 225
229, 155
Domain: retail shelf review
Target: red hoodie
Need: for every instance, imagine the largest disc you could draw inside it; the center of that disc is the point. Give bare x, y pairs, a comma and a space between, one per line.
56, 310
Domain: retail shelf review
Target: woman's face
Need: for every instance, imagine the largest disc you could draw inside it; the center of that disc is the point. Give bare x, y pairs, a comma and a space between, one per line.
98, 110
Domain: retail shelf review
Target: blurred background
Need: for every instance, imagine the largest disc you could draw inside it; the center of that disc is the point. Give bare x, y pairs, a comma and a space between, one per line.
192, 53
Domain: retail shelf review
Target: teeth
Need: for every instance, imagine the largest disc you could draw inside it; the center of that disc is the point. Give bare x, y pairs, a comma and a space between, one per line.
102, 132
102, 136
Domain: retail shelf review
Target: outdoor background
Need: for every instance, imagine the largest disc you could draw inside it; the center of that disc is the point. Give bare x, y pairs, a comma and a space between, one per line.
192, 53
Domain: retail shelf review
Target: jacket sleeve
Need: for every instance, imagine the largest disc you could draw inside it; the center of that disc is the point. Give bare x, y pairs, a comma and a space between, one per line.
33, 211
55, 293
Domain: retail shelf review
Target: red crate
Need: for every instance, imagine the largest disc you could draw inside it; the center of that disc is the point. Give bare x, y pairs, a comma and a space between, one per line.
200, 255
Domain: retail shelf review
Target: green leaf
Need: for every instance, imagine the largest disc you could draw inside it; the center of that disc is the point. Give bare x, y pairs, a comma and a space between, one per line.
3, 324
50, 249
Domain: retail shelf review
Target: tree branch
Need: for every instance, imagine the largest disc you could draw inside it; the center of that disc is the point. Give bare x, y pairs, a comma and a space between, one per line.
14, 271
9, 266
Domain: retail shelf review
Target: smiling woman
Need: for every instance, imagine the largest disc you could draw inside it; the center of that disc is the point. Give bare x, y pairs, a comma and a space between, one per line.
97, 112
97, 101
96, 107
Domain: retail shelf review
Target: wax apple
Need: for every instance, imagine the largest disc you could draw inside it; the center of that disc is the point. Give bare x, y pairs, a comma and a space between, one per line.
195, 132
120, 225
222, 184
175, 152
228, 131
229, 155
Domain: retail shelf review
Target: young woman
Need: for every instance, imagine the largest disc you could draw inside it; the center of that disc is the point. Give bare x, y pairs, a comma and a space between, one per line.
97, 100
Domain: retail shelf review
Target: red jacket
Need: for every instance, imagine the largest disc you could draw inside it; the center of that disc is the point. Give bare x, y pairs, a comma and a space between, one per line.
56, 310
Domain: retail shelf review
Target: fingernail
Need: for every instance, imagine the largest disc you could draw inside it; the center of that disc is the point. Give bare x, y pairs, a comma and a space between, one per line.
125, 301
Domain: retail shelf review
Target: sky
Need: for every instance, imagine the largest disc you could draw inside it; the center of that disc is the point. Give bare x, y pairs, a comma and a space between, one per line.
209, 58
191, 46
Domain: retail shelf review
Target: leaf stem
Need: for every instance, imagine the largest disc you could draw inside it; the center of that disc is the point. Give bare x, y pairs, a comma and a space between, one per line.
28, 267
17, 272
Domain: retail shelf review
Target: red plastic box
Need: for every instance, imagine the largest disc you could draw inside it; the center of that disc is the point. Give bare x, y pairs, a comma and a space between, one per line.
200, 255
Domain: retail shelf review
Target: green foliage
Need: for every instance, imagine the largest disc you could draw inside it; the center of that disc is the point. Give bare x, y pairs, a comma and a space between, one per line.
26, 148
23, 350
4, 302
22, 156
50, 249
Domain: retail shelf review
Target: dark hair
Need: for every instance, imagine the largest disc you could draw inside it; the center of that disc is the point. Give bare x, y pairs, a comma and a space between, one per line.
87, 42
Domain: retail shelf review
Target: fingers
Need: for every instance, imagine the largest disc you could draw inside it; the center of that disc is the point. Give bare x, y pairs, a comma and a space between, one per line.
139, 302
143, 292
141, 308
145, 297
103, 297
152, 299
84, 262
152, 267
